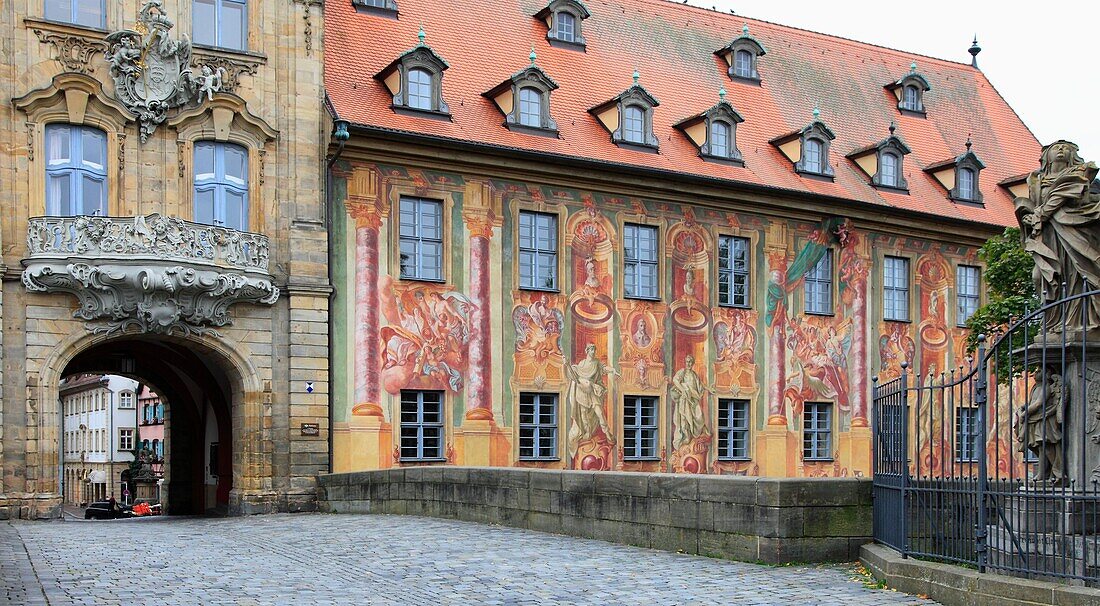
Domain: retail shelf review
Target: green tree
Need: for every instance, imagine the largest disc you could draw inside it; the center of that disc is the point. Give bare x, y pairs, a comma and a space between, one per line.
1009, 287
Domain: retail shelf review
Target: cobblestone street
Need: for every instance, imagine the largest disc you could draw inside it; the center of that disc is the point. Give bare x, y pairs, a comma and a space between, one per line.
353, 559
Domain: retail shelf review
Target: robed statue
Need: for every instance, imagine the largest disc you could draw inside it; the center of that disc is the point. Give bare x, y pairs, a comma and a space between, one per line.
1038, 425
1060, 225
586, 397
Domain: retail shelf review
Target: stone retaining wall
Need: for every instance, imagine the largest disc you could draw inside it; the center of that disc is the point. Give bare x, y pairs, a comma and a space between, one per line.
772, 520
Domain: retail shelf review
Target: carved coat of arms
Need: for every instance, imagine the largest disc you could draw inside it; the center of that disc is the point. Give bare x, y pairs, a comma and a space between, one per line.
152, 72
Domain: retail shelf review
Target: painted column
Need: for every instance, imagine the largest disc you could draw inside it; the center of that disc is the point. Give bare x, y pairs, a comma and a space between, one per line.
777, 342
859, 351
776, 446
479, 399
368, 361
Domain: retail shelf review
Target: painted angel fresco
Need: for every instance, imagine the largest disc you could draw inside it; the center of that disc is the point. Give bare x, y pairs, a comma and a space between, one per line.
735, 344
538, 340
895, 346
819, 365
425, 343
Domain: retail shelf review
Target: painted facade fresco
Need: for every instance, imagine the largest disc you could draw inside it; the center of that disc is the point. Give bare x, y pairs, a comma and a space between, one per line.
482, 341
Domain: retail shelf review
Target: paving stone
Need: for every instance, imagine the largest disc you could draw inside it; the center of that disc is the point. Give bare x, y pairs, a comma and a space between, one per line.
326, 559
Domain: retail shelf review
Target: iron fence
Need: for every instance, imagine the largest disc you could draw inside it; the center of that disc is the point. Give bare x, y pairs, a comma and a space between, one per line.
996, 464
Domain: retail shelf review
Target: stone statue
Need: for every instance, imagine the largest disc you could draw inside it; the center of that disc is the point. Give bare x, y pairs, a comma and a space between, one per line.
1038, 425
1060, 225
687, 392
585, 397
210, 82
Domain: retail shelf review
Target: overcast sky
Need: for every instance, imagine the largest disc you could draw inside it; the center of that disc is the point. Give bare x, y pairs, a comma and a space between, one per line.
1042, 61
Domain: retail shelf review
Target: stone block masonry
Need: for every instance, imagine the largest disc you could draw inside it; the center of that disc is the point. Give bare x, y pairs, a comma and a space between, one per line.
772, 520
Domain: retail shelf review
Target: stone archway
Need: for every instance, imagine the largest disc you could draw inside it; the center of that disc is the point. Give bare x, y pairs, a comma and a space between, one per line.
211, 388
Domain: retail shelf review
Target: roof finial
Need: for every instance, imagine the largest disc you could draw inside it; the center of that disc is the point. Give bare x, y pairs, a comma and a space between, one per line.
421, 35
745, 29
636, 75
968, 142
974, 50
817, 113
913, 67
722, 93
893, 127
532, 56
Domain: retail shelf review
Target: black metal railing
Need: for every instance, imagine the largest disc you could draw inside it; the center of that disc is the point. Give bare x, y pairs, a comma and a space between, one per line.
996, 464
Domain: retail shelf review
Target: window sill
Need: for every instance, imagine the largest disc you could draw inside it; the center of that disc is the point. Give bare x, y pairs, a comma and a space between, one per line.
559, 43
378, 11
433, 460
738, 162
533, 289
891, 188
64, 27
898, 321
815, 176
817, 460
537, 131
638, 147
746, 80
431, 114
967, 202
641, 459
827, 314
914, 113
735, 459
637, 298
240, 54
733, 306
540, 459
428, 280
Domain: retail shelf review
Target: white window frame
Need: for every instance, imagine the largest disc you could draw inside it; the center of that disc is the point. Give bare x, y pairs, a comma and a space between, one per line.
634, 115
566, 31
420, 95
963, 294
817, 431
76, 171
818, 286
74, 12
538, 426
733, 429
218, 8
967, 434
413, 239
536, 254
643, 264
530, 107
221, 185
733, 273
895, 288
126, 437
640, 433
742, 63
420, 424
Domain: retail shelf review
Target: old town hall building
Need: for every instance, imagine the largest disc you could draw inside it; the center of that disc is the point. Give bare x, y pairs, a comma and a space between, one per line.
603, 235
637, 235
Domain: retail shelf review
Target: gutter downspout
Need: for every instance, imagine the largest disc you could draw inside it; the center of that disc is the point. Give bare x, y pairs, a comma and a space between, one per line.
341, 135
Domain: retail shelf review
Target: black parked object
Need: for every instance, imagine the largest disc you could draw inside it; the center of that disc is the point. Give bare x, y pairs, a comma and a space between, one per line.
101, 510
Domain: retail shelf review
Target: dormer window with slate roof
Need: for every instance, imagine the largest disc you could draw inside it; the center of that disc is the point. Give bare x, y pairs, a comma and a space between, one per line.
959, 176
415, 79
741, 55
629, 117
910, 91
385, 8
714, 132
563, 19
808, 148
884, 162
524, 99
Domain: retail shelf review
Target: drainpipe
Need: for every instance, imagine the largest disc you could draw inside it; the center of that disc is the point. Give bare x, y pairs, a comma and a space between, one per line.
341, 135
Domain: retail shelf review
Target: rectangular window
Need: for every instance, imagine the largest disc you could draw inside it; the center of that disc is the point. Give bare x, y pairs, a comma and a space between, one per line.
125, 439
126, 399
538, 426
222, 23
640, 261
733, 429
221, 185
817, 433
733, 271
76, 171
895, 289
421, 425
967, 280
89, 13
538, 251
819, 286
639, 428
966, 434
421, 239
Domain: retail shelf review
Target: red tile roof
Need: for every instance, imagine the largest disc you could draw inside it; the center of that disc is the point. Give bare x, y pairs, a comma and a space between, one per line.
672, 46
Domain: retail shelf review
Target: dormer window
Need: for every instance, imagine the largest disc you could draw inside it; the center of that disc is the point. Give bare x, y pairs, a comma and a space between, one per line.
909, 91
629, 117
524, 99
415, 79
960, 177
715, 132
385, 8
884, 162
563, 21
741, 55
809, 148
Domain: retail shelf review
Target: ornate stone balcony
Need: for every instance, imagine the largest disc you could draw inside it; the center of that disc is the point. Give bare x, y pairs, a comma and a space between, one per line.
154, 274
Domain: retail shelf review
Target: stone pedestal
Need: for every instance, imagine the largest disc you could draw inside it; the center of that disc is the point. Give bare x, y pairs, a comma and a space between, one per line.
773, 451
477, 438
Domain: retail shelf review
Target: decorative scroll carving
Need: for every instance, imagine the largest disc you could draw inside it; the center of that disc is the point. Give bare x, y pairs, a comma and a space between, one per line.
152, 72
74, 51
230, 68
154, 274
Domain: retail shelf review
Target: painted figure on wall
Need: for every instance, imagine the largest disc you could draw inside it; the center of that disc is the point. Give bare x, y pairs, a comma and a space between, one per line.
735, 347
538, 351
689, 417
425, 343
819, 366
586, 399
641, 333
895, 346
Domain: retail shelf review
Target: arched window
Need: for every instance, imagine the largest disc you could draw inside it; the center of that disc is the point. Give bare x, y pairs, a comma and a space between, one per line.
811, 156
742, 64
420, 89
159, 411
566, 27
634, 124
530, 107
145, 444
76, 171
719, 141
965, 186
222, 23
911, 98
889, 170
158, 448
221, 185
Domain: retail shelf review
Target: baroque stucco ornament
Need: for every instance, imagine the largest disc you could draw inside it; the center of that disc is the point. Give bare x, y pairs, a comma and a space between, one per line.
152, 274
152, 72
